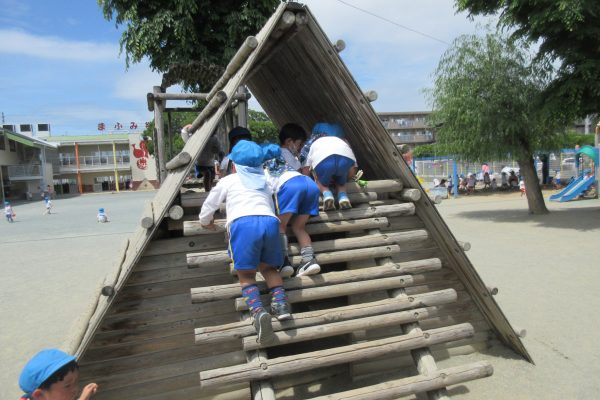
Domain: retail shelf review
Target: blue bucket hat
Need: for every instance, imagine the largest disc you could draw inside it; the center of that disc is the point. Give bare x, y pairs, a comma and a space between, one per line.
247, 153
101, 210
328, 129
41, 367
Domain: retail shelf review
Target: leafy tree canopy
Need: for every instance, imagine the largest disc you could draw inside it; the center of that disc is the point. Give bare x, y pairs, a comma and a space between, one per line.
262, 128
568, 33
190, 41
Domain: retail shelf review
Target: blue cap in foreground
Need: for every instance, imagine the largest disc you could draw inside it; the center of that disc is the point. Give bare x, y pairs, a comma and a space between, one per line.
41, 367
328, 129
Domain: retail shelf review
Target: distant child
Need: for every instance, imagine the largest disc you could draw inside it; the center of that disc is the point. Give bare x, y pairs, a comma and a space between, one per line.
204, 166
471, 183
522, 187
296, 199
48, 204
332, 160
102, 217
494, 184
53, 375
8, 212
253, 231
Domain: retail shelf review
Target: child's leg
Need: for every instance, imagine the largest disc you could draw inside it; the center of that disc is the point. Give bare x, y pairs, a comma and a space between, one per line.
280, 307
251, 295
286, 269
345, 168
309, 265
323, 178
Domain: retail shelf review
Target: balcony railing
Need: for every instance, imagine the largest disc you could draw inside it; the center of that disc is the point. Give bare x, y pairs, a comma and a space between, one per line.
24, 171
414, 138
93, 162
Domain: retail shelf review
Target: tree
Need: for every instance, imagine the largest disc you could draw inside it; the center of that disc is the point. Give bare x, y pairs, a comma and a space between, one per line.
262, 128
487, 96
568, 33
190, 41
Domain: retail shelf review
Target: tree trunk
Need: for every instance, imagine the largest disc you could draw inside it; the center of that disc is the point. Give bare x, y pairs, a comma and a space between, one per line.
535, 199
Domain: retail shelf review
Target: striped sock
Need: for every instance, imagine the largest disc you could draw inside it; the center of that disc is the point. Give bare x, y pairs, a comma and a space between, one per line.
251, 296
278, 294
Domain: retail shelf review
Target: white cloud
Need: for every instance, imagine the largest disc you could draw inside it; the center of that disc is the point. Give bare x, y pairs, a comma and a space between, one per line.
136, 82
49, 47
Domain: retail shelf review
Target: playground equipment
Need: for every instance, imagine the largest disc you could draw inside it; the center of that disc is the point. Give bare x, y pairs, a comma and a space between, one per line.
587, 176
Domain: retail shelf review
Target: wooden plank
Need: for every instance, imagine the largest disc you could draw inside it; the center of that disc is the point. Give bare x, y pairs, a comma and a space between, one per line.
330, 357
243, 329
186, 244
172, 274
346, 289
160, 289
231, 291
416, 384
377, 186
147, 220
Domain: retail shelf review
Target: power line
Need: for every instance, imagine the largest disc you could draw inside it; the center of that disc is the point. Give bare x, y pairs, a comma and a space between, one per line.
393, 22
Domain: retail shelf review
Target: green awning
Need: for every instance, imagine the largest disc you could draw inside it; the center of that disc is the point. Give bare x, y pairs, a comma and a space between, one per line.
21, 139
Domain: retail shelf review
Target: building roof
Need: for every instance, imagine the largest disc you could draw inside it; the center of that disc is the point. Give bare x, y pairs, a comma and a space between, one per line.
27, 140
90, 139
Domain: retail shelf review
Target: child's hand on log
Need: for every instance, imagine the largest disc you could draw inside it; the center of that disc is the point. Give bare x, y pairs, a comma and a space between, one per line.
88, 391
211, 226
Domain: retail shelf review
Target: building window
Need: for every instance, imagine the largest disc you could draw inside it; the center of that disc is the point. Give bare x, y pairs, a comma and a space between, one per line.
12, 145
2, 142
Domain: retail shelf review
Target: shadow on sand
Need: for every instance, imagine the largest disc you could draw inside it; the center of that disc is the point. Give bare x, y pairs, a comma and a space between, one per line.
581, 219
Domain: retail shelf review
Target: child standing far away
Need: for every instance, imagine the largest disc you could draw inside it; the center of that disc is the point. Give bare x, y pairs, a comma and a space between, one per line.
297, 197
8, 212
330, 157
522, 187
53, 375
253, 231
48, 203
102, 217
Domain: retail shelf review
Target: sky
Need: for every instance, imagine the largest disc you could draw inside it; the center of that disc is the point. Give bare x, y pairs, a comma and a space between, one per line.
60, 61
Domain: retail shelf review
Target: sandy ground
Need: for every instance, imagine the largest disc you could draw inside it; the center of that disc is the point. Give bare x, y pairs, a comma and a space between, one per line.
50, 266
546, 268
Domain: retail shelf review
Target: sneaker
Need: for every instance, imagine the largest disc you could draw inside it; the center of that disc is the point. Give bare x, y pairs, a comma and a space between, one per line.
309, 268
286, 270
281, 310
328, 201
264, 329
344, 201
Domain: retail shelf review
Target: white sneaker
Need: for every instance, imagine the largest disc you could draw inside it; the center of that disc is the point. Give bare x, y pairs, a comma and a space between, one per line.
309, 268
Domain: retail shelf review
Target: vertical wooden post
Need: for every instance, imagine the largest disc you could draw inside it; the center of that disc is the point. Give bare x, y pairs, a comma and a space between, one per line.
242, 108
115, 166
79, 184
169, 137
159, 125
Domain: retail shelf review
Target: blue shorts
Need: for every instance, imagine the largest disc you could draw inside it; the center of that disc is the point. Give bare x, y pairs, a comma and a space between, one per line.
334, 169
254, 239
299, 195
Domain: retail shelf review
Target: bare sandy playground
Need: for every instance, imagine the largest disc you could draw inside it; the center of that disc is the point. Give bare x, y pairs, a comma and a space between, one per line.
546, 269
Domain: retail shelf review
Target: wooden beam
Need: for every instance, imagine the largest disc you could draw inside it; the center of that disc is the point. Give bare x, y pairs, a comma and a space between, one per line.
176, 212
147, 220
159, 126
323, 358
215, 102
180, 160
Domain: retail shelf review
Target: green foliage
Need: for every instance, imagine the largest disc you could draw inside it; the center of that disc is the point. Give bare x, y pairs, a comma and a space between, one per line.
262, 128
178, 121
432, 150
487, 100
568, 33
191, 39
571, 139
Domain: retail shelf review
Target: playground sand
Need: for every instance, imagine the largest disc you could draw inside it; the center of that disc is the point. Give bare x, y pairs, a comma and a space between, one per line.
546, 269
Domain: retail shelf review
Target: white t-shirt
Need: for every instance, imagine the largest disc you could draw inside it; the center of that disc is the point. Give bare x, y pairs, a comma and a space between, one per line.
326, 146
290, 159
239, 200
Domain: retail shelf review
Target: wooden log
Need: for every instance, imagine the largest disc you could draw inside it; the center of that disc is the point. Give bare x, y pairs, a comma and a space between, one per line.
410, 194
343, 327
213, 293
180, 160
435, 198
238, 330
330, 357
359, 198
194, 228
344, 289
466, 246
339, 45
288, 19
159, 128
193, 199
301, 19
147, 220
371, 95
236, 62
521, 332
493, 290
416, 384
215, 102
176, 212
378, 186
392, 210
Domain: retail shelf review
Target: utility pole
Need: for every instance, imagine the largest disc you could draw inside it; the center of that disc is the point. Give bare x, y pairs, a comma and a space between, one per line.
2, 118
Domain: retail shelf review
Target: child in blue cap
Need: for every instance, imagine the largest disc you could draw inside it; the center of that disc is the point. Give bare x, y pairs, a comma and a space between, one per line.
253, 231
332, 160
8, 212
102, 217
296, 199
53, 375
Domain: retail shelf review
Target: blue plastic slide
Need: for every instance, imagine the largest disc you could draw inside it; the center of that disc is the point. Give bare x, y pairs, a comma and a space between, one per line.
574, 189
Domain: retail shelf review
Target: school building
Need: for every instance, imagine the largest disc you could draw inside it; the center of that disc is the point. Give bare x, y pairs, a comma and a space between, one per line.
408, 128
32, 159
